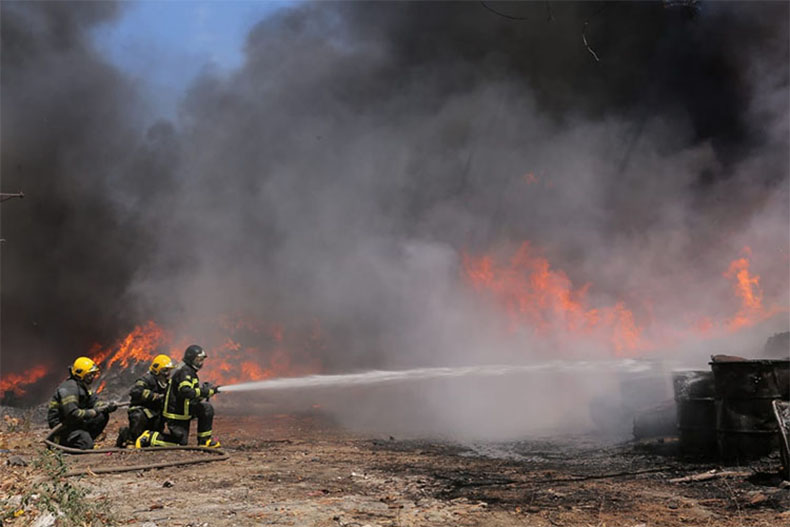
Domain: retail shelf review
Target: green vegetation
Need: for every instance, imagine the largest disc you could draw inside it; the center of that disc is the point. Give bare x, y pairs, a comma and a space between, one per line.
56, 494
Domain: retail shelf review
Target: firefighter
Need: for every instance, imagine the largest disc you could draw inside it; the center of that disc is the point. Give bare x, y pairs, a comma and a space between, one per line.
74, 406
146, 400
185, 399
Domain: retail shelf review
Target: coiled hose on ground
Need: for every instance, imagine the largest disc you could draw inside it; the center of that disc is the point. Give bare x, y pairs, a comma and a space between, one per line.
216, 455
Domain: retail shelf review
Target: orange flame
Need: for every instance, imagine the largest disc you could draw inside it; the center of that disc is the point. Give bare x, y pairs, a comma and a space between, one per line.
544, 299
16, 382
747, 287
139, 345
232, 360
531, 291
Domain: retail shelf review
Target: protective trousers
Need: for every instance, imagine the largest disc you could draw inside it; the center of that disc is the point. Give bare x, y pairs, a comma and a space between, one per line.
139, 422
83, 437
179, 429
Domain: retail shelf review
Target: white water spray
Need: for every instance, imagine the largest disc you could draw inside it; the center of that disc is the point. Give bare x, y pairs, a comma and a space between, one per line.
382, 376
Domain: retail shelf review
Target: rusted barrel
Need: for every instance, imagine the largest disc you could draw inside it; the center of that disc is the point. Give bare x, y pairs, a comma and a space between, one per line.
746, 427
696, 412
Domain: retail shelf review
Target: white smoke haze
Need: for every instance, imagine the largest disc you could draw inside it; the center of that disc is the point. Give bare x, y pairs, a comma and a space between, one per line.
363, 150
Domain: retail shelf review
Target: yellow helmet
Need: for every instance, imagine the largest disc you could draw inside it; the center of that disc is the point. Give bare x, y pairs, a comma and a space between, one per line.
161, 364
82, 367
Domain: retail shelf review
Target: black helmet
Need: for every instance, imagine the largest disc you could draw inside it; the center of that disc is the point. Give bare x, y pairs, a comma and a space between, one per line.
194, 356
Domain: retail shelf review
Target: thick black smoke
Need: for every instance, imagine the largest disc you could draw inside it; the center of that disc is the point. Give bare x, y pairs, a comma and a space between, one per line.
67, 132
340, 173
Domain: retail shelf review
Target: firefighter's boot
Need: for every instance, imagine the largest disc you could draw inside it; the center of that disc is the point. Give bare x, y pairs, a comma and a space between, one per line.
204, 438
144, 441
123, 437
210, 443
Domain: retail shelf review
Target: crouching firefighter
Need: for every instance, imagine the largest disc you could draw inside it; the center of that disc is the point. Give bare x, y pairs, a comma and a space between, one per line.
146, 399
75, 406
185, 399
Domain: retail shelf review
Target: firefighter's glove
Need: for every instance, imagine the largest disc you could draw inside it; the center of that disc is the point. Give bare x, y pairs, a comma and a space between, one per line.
207, 390
90, 413
106, 408
157, 397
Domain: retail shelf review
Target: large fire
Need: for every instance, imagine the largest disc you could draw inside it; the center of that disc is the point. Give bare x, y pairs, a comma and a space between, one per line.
136, 346
248, 351
535, 295
544, 299
16, 383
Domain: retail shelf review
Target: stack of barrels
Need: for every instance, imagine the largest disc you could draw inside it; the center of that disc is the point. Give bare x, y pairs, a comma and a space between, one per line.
728, 412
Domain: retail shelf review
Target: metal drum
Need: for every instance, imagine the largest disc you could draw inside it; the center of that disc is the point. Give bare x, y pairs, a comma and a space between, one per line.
746, 427
696, 412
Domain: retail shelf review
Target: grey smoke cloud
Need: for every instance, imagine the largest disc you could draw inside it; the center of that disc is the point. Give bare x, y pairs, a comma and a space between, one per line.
362, 148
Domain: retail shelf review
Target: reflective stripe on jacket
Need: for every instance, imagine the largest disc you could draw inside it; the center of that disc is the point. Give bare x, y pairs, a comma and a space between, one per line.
183, 388
142, 395
70, 403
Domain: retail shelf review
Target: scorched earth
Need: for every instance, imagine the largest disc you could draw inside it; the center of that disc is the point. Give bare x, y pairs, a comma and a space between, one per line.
304, 469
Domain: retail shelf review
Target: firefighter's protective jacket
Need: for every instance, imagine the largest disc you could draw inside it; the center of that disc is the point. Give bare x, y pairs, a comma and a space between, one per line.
183, 390
143, 395
70, 404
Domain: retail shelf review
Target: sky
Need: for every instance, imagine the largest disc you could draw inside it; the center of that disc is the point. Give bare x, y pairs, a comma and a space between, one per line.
164, 45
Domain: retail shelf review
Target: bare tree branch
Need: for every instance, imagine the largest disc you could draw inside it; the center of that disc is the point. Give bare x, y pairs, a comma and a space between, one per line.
584, 32
584, 38
503, 15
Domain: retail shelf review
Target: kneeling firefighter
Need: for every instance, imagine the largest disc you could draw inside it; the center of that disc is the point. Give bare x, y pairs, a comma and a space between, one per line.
75, 406
185, 399
146, 399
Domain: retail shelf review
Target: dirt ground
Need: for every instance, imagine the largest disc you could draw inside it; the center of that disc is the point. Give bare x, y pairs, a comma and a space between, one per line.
304, 470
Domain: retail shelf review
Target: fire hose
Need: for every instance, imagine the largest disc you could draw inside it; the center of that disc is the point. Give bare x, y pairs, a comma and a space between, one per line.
217, 454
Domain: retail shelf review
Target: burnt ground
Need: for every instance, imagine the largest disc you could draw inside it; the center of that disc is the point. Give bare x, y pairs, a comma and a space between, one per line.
304, 470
